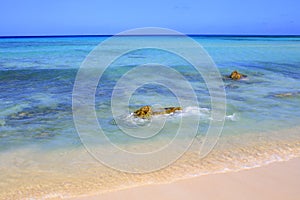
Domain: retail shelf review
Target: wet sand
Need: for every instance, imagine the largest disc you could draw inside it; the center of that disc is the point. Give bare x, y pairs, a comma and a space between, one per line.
280, 180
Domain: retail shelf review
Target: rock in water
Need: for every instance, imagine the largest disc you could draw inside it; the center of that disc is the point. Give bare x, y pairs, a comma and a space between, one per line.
144, 112
235, 75
147, 112
172, 110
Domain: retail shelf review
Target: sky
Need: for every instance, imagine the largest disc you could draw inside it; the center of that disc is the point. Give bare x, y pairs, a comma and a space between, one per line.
99, 17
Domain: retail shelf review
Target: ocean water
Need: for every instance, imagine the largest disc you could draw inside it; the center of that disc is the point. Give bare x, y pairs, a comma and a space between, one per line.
42, 156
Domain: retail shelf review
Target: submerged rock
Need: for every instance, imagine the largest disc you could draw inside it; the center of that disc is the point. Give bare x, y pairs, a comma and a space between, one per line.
146, 111
21, 115
43, 135
38, 111
287, 94
235, 75
231, 86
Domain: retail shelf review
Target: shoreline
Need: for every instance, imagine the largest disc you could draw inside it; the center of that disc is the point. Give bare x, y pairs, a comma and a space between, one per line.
69, 179
277, 180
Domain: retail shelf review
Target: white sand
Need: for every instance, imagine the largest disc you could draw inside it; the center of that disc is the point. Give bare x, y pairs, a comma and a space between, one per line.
275, 181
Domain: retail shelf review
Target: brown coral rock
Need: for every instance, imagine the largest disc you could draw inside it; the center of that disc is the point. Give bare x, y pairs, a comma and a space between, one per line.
146, 111
172, 109
143, 112
235, 75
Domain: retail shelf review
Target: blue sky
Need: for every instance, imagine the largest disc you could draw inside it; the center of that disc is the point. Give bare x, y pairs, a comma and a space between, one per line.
89, 17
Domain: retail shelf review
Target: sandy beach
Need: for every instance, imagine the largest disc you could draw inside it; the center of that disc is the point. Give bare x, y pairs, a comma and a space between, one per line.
153, 100
279, 180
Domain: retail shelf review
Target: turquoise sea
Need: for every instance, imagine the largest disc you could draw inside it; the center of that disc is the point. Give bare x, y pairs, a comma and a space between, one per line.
42, 156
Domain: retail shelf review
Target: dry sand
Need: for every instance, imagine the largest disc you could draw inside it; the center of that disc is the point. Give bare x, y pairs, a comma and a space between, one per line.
279, 180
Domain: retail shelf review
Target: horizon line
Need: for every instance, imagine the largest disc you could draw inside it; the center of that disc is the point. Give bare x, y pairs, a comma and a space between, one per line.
110, 35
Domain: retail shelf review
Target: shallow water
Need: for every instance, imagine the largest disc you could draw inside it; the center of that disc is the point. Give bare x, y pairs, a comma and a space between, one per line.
41, 153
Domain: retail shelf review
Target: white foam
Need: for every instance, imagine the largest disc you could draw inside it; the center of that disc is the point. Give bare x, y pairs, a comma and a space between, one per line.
196, 110
130, 121
232, 117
